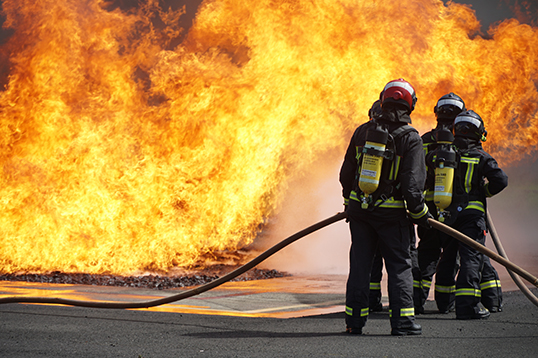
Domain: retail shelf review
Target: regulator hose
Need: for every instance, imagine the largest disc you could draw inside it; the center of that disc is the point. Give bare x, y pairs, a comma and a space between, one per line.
500, 250
481, 248
188, 293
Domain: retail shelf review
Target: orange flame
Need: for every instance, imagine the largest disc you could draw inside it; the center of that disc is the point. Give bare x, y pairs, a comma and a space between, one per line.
122, 152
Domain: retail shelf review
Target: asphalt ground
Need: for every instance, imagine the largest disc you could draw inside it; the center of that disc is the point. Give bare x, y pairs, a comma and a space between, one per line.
284, 317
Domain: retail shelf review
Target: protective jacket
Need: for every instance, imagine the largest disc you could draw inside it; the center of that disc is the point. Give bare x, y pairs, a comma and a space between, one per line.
470, 187
403, 177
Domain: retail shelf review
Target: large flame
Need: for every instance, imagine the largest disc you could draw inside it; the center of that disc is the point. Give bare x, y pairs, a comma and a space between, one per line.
122, 151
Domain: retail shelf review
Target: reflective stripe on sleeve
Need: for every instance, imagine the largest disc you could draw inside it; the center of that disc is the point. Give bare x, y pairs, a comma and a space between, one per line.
420, 214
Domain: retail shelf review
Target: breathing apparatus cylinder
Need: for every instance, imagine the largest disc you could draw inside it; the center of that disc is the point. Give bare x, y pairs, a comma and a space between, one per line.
372, 162
445, 164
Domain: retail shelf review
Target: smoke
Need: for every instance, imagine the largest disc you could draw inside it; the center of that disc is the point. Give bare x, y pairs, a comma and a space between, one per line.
513, 212
310, 199
318, 196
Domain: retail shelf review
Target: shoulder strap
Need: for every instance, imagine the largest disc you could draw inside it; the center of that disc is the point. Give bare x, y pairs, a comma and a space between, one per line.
400, 131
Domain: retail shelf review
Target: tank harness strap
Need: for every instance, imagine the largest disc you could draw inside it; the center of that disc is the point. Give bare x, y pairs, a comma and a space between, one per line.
384, 198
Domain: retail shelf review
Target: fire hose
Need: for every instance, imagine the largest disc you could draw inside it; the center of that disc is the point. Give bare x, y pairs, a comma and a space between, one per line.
210, 285
500, 249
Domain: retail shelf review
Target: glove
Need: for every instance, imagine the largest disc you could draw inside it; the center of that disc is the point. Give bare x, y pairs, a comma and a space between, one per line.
423, 221
345, 210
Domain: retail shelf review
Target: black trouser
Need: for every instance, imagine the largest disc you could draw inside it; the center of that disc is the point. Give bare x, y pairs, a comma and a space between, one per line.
394, 239
377, 274
490, 285
467, 286
375, 280
429, 252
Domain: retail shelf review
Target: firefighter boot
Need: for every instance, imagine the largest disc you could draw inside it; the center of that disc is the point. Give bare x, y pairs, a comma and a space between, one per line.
480, 313
409, 328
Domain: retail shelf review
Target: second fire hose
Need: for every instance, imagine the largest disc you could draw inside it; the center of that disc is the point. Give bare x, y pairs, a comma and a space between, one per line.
484, 250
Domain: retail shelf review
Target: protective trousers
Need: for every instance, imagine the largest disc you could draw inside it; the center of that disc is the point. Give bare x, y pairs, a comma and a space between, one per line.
467, 286
490, 287
375, 283
429, 252
393, 239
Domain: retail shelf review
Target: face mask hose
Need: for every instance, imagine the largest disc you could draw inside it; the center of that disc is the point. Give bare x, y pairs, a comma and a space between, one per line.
189, 293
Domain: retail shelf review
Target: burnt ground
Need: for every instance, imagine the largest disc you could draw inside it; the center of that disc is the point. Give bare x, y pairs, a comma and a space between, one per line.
151, 281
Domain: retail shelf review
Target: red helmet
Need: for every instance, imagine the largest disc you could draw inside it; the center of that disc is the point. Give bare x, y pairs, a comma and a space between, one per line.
399, 91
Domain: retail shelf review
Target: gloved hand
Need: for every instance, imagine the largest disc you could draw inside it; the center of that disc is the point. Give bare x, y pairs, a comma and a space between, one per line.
423, 221
345, 210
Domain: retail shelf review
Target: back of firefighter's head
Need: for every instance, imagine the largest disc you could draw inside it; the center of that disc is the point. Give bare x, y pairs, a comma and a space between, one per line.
399, 93
447, 109
468, 124
375, 111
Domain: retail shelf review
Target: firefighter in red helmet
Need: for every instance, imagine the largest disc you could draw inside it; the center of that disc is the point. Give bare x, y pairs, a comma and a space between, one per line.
382, 175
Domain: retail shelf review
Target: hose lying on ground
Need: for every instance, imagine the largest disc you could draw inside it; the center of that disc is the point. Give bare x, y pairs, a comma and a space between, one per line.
500, 249
188, 293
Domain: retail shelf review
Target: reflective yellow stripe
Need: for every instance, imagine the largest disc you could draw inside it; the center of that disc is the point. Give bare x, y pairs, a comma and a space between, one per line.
490, 284
428, 196
426, 283
375, 285
419, 214
471, 162
476, 205
404, 312
407, 312
468, 292
395, 167
364, 311
346, 201
390, 203
358, 154
416, 284
445, 289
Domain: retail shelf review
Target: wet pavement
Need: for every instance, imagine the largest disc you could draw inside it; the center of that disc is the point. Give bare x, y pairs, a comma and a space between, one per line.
298, 316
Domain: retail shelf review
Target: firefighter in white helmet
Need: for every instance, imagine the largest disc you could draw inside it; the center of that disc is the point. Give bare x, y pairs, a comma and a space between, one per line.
429, 246
383, 167
476, 178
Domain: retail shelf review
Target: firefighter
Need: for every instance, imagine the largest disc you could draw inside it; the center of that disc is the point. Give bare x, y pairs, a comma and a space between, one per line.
429, 246
383, 166
375, 304
466, 213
